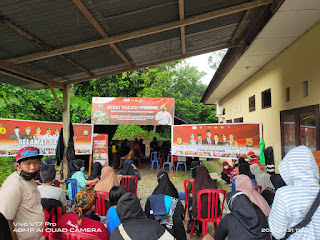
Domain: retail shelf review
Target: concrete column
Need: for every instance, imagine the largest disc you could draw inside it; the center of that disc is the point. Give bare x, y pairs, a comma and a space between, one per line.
66, 127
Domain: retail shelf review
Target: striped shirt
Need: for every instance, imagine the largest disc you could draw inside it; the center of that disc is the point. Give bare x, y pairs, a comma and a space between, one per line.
292, 202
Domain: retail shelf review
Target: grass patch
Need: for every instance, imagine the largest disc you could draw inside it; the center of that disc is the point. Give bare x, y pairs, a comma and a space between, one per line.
6, 168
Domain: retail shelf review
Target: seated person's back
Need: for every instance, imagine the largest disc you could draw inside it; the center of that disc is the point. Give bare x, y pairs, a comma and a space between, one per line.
51, 196
84, 206
135, 224
246, 220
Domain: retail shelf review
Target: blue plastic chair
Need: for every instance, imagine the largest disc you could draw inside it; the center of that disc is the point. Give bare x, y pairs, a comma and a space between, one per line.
168, 162
74, 188
154, 159
182, 163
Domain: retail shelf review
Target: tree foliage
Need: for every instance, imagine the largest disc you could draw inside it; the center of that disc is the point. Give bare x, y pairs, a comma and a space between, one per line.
175, 80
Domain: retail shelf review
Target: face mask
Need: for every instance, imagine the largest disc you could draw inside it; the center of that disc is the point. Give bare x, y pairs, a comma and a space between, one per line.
226, 167
82, 169
28, 176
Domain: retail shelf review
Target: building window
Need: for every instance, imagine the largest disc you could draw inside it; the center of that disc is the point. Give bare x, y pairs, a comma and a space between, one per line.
266, 98
287, 94
252, 103
238, 120
229, 121
305, 89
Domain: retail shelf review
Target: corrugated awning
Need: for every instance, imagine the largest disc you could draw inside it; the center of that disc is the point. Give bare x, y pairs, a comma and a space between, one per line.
54, 43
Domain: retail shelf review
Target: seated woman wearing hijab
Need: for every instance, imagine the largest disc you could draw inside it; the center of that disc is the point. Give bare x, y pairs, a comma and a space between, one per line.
107, 181
269, 193
244, 168
80, 218
134, 223
262, 178
202, 181
95, 171
76, 172
226, 172
130, 170
244, 184
165, 199
245, 221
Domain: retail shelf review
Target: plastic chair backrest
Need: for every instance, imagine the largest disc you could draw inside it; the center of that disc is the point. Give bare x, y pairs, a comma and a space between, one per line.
78, 236
74, 188
55, 213
154, 156
185, 183
161, 154
169, 158
257, 188
316, 155
126, 179
213, 204
101, 209
92, 184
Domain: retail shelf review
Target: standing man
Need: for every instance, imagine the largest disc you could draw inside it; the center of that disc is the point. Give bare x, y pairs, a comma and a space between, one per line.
199, 139
163, 117
27, 135
56, 134
208, 140
16, 134
37, 136
192, 141
216, 140
232, 142
20, 198
48, 135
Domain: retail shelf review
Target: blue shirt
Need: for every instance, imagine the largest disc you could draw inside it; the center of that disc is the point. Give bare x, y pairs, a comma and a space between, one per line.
81, 179
113, 220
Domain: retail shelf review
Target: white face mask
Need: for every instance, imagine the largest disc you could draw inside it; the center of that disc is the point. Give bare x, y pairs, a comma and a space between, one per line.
82, 169
226, 167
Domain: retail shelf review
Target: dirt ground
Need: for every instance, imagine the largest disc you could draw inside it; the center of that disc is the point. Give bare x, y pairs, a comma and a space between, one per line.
148, 183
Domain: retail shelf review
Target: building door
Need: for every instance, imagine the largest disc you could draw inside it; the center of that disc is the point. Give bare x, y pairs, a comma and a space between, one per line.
300, 126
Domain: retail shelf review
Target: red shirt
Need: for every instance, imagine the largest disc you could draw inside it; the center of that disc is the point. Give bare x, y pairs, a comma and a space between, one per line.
69, 221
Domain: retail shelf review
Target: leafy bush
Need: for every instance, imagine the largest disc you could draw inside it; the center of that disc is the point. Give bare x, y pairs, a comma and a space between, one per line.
6, 168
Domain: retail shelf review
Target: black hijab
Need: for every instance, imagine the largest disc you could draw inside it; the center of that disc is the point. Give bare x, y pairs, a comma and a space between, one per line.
127, 169
194, 165
129, 208
242, 160
75, 166
165, 186
248, 214
244, 168
95, 171
277, 181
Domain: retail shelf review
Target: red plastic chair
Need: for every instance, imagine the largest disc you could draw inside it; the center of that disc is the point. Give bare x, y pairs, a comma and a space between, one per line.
161, 157
258, 188
126, 182
78, 236
54, 219
101, 208
185, 183
213, 196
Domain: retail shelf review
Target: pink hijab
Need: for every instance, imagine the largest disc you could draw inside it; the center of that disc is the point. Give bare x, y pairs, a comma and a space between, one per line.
244, 184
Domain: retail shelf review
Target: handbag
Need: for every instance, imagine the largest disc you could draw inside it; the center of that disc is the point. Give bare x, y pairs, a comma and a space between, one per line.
306, 219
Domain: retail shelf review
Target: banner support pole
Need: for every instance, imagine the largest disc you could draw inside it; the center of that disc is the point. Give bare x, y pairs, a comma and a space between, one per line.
171, 167
66, 127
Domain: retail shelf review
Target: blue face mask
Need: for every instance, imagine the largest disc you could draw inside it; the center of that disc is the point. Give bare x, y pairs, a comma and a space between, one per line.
82, 169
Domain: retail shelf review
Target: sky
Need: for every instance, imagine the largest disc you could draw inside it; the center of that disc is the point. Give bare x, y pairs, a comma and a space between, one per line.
201, 62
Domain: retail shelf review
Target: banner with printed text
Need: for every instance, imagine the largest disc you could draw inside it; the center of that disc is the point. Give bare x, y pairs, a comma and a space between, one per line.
16, 134
216, 140
132, 111
100, 148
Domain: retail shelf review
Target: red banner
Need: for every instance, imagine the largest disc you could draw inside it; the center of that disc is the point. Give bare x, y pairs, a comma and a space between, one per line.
133, 111
15, 134
216, 140
100, 148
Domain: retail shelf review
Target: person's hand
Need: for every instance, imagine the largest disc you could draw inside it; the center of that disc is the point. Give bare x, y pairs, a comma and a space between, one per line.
96, 180
133, 166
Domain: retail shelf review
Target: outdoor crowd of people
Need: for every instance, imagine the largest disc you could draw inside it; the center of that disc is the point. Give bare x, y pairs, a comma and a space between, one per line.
284, 200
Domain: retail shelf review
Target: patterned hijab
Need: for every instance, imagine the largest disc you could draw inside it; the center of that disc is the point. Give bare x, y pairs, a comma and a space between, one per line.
84, 200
